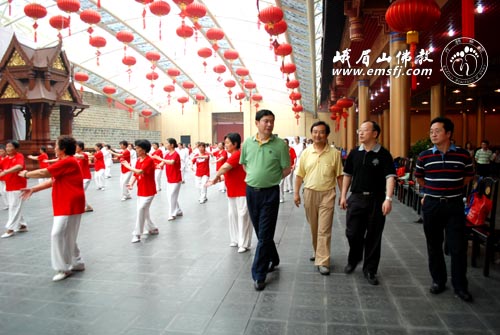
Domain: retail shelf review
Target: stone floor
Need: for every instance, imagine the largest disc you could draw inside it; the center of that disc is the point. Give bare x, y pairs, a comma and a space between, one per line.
187, 280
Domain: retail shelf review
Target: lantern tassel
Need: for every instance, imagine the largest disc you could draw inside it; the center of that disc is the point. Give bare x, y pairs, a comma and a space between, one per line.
69, 25
10, 8
98, 3
144, 18
413, 48
468, 18
159, 30
130, 111
240, 106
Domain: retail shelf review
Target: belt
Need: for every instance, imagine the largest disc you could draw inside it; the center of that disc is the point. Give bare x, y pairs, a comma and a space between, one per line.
367, 194
444, 199
260, 189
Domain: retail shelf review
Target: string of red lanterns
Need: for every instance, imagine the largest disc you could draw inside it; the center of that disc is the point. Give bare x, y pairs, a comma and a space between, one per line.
130, 102
90, 17
159, 8
36, 12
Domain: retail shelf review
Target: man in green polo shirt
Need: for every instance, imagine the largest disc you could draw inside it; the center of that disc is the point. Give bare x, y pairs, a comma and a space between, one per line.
266, 160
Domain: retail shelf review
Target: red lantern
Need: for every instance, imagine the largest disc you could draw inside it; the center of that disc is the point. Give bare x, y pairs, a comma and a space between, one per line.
153, 57
214, 35
129, 61
250, 85
146, 113
59, 22
173, 72
274, 30
125, 37
145, 3
295, 96
97, 42
81, 77
182, 4
69, 6
182, 101
130, 102
205, 53
240, 96
231, 55
334, 109
159, 8
152, 76
411, 16
169, 89
271, 15
90, 17
256, 97
230, 84
196, 11
283, 50
242, 72
35, 11
220, 69
345, 103
288, 68
184, 32
293, 84
199, 97
109, 90
297, 108
188, 85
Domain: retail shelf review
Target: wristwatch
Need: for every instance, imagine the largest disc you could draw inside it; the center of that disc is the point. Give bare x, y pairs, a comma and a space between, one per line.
388, 198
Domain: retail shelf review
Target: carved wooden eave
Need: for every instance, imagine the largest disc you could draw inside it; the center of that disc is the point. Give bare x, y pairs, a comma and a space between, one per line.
67, 94
11, 90
15, 57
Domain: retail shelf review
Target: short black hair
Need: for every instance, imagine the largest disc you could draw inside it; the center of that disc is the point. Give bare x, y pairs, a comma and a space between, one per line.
321, 123
14, 143
43, 148
80, 144
99, 145
124, 143
235, 139
263, 112
375, 126
67, 144
172, 142
143, 144
447, 123
2, 146
155, 143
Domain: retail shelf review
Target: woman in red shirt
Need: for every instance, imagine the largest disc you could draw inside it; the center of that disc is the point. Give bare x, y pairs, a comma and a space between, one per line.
68, 203
83, 160
202, 163
240, 228
99, 166
42, 160
4, 204
144, 174
174, 177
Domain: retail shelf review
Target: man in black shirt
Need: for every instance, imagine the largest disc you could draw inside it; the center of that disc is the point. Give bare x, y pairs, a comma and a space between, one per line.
369, 170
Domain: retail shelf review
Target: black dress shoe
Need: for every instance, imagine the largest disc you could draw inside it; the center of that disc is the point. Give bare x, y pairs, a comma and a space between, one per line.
259, 285
371, 278
436, 288
464, 295
272, 267
420, 220
312, 258
349, 268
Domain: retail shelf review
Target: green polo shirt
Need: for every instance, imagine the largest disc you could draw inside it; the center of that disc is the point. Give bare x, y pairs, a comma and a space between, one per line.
264, 164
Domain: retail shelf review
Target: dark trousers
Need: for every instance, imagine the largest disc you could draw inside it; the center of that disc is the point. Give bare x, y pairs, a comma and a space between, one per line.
446, 218
483, 170
364, 228
263, 205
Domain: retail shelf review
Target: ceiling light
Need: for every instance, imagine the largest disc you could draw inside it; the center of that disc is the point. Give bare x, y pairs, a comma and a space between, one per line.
371, 97
479, 9
389, 84
497, 90
469, 99
472, 85
451, 32
458, 102
493, 110
456, 91
425, 102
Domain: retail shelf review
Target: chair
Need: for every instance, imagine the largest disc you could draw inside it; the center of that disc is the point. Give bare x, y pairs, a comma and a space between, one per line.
486, 234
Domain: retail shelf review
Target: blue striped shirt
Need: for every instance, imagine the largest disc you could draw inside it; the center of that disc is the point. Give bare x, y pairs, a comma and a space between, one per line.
444, 173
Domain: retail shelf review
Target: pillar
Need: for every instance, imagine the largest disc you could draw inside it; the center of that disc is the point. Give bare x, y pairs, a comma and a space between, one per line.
380, 122
464, 129
66, 120
351, 128
480, 123
437, 107
363, 100
385, 128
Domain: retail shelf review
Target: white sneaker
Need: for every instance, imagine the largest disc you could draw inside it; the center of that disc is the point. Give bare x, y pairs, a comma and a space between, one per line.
61, 275
282, 200
7, 234
77, 267
136, 239
233, 244
171, 218
242, 250
123, 198
179, 214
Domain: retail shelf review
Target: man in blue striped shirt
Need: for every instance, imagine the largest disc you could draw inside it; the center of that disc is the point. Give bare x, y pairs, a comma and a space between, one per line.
442, 171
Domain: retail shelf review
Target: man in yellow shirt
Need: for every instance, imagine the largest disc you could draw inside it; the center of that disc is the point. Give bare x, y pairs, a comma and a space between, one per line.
320, 169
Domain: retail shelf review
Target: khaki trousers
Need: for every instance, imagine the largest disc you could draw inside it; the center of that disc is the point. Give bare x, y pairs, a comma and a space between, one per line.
319, 206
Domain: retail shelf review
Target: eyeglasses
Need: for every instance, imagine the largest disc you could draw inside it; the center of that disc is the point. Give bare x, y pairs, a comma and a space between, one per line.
436, 131
319, 132
361, 131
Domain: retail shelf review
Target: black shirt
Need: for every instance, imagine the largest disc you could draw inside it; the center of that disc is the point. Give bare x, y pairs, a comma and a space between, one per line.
369, 169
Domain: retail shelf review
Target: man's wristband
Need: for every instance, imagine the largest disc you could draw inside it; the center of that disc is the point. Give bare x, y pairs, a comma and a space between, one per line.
388, 198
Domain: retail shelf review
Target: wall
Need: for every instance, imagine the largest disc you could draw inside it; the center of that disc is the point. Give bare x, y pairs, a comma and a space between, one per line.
100, 123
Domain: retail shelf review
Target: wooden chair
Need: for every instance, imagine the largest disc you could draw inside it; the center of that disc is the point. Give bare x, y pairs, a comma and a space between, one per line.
486, 234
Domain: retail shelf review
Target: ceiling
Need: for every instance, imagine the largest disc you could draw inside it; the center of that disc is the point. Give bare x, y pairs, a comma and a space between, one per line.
238, 20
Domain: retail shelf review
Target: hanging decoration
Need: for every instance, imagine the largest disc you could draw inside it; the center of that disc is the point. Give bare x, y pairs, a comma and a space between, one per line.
109, 90
288, 68
184, 32
59, 22
410, 17
205, 53
152, 76
250, 85
169, 89
345, 103
90, 17
153, 57
219, 69
294, 97
129, 61
257, 98
468, 18
242, 72
125, 37
188, 85
297, 109
130, 102
274, 30
173, 72
214, 35
81, 77
159, 8
230, 84
182, 5
195, 11
10, 7
146, 114
240, 96
69, 6
199, 97
293, 84
97, 42
144, 3
182, 100
270, 15
36, 12
282, 50
336, 115
231, 55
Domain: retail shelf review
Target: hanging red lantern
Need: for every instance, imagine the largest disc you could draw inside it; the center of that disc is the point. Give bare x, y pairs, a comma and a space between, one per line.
173, 72
288, 68
410, 17
109, 90
196, 11
59, 22
125, 37
250, 85
69, 6
271, 15
188, 85
242, 72
199, 97
97, 42
129, 61
256, 97
214, 35
295, 96
283, 50
334, 109
184, 32
146, 114
36, 12
130, 102
159, 8
293, 84
230, 84
144, 3
240, 96
169, 89
205, 53
90, 17
274, 30
152, 76
231, 55
219, 69
182, 100
81, 77
297, 108
345, 103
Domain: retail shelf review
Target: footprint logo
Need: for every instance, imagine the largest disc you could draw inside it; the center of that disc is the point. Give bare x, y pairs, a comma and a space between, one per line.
464, 61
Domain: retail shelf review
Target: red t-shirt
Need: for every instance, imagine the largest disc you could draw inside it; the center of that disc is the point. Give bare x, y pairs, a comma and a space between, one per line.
158, 153
173, 171
1, 167
293, 156
12, 181
202, 165
235, 178
43, 156
146, 185
68, 196
125, 157
99, 161
84, 166
221, 153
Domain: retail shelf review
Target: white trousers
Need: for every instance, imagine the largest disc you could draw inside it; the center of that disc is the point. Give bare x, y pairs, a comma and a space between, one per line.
64, 249
4, 203
289, 181
143, 218
200, 183
158, 173
107, 171
124, 179
184, 168
16, 219
99, 178
240, 227
173, 197
86, 183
